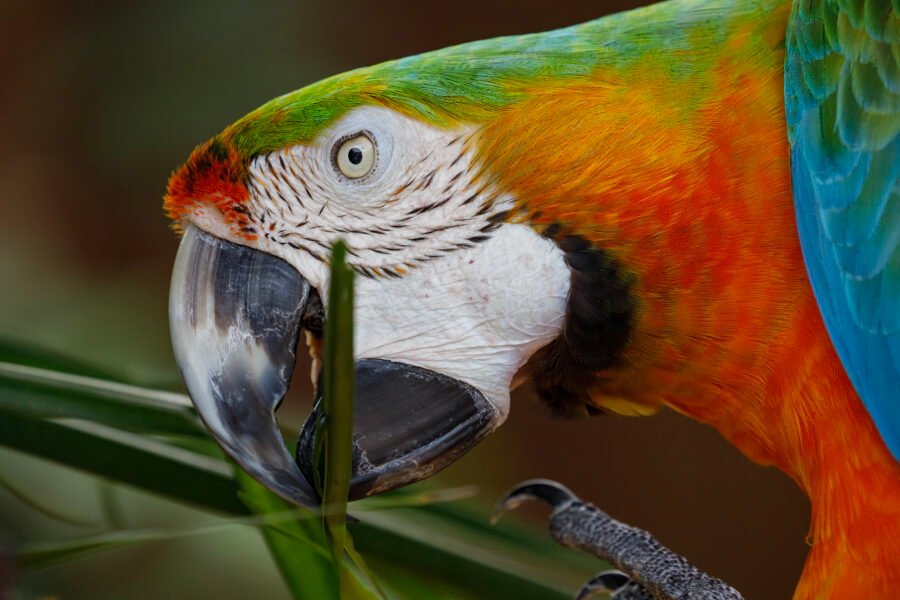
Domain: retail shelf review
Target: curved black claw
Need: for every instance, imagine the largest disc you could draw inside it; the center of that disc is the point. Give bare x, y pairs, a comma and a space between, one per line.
555, 494
617, 582
651, 570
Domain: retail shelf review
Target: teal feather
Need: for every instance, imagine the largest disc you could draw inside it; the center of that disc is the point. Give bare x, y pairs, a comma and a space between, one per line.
869, 257
808, 11
865, 301
852, 222
855, 44
888, 67
839, 191
890, 292
813, 44
826, 156
830, 23
803, 98
877, 15
854, 10
871, 93
822, 76
843, 114
859, 128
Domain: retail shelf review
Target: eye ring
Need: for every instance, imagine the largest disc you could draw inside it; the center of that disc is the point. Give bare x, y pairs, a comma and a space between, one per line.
354, 156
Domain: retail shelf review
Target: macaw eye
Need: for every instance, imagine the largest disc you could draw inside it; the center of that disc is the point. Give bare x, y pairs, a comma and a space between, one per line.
354, 156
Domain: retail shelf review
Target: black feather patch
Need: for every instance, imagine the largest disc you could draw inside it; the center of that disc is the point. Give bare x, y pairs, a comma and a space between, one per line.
600, 314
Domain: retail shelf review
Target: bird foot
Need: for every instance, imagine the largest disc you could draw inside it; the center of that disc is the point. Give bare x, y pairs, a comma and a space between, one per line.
647, 569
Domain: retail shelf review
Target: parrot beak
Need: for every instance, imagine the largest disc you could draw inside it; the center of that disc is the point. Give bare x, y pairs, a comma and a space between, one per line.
235, 317
408, 424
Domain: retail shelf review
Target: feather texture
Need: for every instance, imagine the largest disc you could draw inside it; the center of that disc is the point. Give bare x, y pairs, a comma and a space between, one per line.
843, 111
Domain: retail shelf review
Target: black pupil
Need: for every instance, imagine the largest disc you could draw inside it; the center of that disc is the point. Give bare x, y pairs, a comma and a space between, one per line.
354, 155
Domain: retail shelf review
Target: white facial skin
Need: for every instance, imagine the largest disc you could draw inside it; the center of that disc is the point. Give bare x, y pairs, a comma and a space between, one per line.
445, 286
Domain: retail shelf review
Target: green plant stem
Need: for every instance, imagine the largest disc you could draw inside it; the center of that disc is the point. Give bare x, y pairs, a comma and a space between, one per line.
337, 400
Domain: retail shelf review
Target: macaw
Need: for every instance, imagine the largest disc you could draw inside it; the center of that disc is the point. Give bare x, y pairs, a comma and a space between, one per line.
691, 205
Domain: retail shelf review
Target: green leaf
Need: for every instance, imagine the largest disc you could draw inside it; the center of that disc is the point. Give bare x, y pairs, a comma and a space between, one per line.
435, 543
301, 550
51, 394
126, 458
290, 523
22, 352
44, 554
356, 558
298, 546
337, 400
493, 567
403, 498
42, 507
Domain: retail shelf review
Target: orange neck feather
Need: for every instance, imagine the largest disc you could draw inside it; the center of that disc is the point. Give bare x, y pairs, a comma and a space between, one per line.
687, 182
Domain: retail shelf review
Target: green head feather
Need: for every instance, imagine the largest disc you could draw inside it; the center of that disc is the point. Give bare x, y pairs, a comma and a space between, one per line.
471, 82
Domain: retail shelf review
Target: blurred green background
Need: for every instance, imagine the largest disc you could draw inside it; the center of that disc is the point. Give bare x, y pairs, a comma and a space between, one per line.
99, 101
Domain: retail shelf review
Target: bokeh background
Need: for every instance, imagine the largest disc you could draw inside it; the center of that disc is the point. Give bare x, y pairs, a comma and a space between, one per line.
99, 101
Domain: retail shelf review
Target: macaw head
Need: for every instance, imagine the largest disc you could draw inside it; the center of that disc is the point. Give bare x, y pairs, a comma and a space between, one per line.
472, 276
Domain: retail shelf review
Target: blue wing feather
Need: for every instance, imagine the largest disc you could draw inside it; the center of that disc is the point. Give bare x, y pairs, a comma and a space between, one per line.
842, 94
